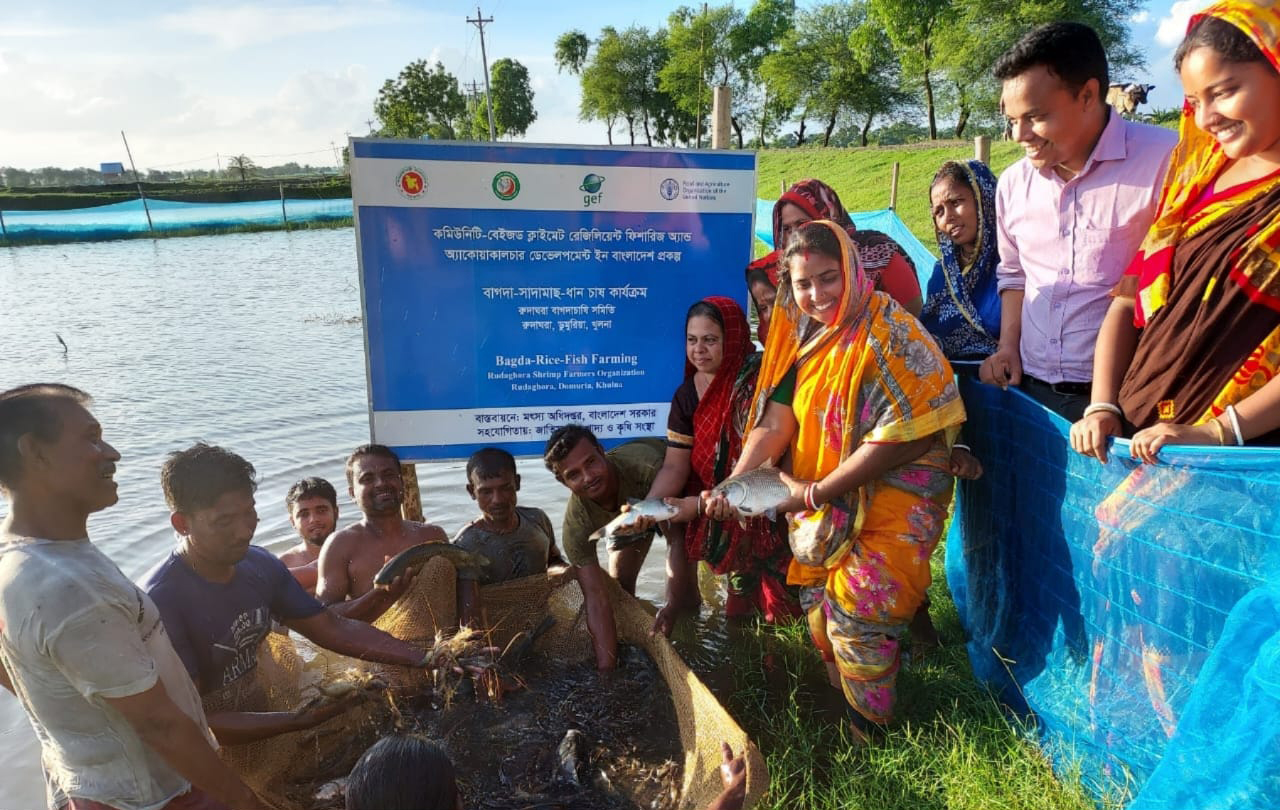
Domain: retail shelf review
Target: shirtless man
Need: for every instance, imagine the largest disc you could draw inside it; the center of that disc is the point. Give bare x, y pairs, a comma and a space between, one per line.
351, 558
312, 504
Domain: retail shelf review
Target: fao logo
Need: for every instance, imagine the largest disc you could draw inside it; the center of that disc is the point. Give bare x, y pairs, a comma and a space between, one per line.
411, 183
669, 189
506, 186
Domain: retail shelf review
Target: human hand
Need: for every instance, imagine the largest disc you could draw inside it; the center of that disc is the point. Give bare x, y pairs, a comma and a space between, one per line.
796, 488
665, 620
314, 713
396, 588
1146, 444
717, 507
965, 464
1004, 368
733, 770
1089, 435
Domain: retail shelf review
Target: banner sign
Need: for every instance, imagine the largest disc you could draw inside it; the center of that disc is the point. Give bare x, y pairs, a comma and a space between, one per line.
508, 290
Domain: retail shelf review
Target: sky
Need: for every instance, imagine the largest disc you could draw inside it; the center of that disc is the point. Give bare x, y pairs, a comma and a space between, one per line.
191, 82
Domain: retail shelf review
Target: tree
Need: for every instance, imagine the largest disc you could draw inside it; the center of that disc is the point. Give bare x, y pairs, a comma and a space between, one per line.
571, 51
421, 101
759, 34
242, 164
513, 111
702, 55
912, 27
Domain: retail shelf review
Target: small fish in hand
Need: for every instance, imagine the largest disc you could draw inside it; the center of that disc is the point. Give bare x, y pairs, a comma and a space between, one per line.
755, 493
624, 525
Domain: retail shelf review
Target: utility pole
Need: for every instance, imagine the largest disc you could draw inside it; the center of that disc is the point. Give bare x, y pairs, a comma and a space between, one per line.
369, 122
479, 22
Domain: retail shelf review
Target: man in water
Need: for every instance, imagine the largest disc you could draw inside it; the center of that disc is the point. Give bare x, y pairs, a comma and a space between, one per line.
1071, 213
601, 483
354, 555
219, 595
312, 504
120, 724
518, 541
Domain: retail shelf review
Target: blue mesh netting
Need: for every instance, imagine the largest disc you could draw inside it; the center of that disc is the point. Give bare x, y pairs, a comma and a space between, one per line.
126, 218
1135, 610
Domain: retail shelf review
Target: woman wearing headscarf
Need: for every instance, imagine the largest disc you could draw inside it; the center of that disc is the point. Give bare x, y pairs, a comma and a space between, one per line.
704, 439
886, 265
863, 401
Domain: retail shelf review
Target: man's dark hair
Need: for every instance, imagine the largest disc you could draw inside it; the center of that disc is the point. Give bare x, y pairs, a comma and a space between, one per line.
369, 450
563, 441
313, 487
403, 772
1229, 42
490, 462
195, 478
1069, 50
30, 409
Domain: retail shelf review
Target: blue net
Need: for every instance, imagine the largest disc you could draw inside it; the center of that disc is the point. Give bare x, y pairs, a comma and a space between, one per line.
886, 220
1134, 609
127, 218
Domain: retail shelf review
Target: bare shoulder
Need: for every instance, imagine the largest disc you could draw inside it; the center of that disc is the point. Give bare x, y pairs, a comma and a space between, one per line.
425, 532
296, 556
345, 539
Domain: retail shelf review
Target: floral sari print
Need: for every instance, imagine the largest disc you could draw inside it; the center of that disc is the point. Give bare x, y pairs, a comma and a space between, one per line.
873, 375
962, 304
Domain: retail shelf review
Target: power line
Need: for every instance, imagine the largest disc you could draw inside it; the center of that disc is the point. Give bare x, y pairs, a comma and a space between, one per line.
479, 22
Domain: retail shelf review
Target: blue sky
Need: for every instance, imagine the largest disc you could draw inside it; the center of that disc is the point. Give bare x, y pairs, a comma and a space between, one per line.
282, 81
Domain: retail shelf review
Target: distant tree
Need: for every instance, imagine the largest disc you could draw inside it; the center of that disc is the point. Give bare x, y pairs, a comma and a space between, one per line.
571, 51
759, 34
241, 164
701, 56
913, 27
513, 111
422, 100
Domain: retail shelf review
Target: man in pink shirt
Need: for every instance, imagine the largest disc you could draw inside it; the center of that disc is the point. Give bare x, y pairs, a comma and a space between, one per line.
1071, 214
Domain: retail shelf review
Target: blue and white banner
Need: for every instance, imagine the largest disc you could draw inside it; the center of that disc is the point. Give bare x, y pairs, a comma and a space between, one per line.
508, 290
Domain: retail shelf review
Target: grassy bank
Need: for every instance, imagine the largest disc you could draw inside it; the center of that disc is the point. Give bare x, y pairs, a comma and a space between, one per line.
210, 191
204, 230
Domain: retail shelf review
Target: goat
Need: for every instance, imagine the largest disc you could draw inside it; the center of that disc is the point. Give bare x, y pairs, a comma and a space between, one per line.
1126, 97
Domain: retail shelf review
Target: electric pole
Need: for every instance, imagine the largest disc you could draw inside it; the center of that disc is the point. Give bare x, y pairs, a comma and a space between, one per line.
479, 22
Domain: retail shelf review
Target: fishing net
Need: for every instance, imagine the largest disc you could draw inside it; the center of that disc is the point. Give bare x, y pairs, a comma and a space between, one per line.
1134, 609
286, 769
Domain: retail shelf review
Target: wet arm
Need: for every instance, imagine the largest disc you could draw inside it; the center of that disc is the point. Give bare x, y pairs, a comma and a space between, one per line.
365, 608
869, 462
177, 739
357, 639
604, 635
237, 728
768, 440
334, 583
674, 473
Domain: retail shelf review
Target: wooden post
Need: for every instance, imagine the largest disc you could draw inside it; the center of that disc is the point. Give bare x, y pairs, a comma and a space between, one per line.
411, 506
283, 214
721, 98
3, 233
893, 187
982, 149
141, 196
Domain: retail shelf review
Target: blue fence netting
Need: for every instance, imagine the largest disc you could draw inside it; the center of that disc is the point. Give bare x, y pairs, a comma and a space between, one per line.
1135, 610
122, 219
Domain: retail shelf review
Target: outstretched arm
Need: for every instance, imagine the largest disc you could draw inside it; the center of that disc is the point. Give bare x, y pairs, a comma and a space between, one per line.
604, 635
237, 728
357, 639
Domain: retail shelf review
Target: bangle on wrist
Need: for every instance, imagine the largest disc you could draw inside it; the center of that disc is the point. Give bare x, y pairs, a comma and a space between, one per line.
1235, 425
1219, 430
959, 446
1100, 407
808, 496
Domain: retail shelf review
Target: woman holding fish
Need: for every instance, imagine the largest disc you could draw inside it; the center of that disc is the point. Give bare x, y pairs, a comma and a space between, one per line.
704, 438
863, 402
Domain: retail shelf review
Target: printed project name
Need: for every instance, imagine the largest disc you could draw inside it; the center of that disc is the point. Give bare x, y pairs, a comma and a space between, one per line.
519, 361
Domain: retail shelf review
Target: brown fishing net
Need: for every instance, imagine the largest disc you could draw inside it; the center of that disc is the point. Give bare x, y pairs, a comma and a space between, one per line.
286, 769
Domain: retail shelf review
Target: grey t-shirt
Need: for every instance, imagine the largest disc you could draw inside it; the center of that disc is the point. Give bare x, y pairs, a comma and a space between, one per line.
519, 553
74, 632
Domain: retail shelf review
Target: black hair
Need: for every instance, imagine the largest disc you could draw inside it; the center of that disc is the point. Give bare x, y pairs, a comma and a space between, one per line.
561, 444
29, 409
1229, 42
1069, 50
702, 309
369, 450
757, 276
490, 462
952, 170
195, 478
403, 772
813, 236
312, 487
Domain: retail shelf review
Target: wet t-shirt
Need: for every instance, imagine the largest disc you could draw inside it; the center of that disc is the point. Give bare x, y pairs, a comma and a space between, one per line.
216, 627
522, 552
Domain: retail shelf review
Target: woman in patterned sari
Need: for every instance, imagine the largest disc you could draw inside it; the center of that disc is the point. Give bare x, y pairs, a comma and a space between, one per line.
863, 401
704, 439
886, 265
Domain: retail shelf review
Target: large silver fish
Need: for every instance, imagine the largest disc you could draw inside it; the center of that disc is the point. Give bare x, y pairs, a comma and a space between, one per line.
755, 493
412, 559
624, 525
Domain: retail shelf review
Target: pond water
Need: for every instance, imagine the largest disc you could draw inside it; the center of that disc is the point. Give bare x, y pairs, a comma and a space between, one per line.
250, 341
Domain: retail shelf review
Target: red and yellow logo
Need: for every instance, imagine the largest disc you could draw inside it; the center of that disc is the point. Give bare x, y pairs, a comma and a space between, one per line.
412, 183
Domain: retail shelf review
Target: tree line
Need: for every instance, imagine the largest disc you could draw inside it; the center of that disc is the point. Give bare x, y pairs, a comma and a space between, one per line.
427, 101
239, 167
830, 71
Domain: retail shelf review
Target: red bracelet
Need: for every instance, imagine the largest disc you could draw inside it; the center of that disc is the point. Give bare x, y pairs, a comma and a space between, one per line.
808, 496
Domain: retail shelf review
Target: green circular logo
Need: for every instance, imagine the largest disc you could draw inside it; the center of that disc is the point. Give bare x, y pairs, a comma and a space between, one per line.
506, 186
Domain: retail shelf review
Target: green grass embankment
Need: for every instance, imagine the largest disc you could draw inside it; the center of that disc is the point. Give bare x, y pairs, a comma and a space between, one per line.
207, 191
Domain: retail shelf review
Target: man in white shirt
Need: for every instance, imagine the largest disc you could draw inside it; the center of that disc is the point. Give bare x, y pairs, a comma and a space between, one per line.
119, 721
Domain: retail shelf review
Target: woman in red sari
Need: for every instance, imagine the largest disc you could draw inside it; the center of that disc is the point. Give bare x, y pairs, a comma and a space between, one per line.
704, 439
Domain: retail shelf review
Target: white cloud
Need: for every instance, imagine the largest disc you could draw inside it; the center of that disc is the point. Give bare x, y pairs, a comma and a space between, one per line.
248, 24
1173, 27
1141, 17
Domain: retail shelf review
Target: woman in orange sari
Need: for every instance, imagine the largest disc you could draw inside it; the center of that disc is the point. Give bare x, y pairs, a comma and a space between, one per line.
865, 402
1190, 347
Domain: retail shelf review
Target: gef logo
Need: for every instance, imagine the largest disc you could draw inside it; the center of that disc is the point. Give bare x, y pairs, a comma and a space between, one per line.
591, 185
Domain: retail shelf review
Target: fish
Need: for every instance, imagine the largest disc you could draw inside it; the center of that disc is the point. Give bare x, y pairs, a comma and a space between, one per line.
517, 650
412, 559
571, 758
755, 493
624, 524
